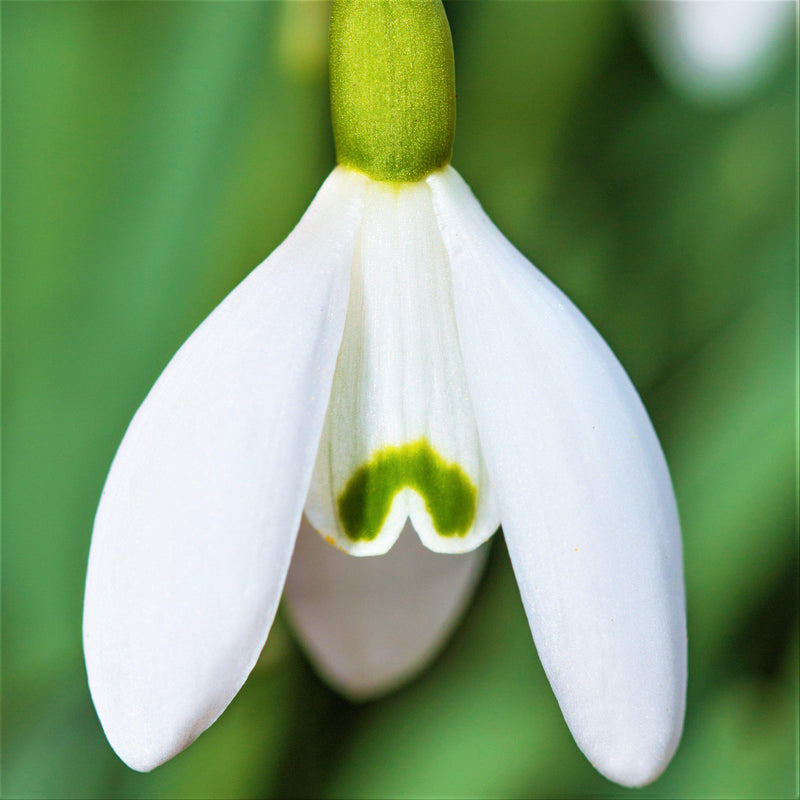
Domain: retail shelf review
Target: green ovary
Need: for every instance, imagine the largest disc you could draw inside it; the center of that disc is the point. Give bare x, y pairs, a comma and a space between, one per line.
450, 496
393, 91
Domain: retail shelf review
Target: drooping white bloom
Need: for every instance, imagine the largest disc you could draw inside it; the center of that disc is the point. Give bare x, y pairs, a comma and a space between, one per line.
394, 329
394, 367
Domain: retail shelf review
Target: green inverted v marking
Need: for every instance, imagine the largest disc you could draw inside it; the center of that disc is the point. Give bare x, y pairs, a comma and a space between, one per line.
449, 494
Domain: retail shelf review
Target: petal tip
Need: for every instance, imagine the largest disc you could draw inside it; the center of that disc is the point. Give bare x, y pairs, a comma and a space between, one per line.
638, 755
142, 750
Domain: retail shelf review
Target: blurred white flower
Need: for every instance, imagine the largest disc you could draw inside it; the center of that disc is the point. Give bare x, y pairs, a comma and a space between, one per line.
716, 50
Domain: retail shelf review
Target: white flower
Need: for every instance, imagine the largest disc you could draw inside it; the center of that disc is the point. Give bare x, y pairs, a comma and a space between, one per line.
397, 341
394, 359
716, 50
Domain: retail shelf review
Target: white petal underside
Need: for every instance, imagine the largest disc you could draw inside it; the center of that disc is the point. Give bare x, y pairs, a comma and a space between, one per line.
585, 498
400, 382
196, 524
370, 624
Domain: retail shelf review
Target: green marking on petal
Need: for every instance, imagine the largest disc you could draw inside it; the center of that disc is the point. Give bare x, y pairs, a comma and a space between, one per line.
450, 496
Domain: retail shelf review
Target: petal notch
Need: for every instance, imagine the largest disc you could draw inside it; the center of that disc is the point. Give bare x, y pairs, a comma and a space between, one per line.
447, 491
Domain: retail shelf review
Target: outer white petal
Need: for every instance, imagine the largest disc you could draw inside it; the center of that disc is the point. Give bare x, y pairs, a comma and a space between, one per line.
195, 528
584, 493
370, 624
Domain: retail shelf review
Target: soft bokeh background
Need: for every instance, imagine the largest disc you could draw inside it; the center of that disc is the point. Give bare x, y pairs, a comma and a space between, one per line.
153, 153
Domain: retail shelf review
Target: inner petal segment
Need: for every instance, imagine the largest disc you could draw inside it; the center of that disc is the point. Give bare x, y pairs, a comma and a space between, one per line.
400, 440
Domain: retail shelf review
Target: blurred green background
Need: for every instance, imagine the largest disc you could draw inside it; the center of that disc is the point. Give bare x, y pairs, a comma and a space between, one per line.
153, 153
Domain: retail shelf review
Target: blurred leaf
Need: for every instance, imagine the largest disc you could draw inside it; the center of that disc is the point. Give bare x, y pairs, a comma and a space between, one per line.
732, 452
144, 148
521, 70
742, 743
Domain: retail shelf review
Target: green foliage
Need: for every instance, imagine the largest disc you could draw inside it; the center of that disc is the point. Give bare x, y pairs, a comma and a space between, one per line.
153, 153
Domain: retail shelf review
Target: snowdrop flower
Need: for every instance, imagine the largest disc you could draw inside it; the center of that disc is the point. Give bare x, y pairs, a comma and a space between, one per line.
394, 359
716, 50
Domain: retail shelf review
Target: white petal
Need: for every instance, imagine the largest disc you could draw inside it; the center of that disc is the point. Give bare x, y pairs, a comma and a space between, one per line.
585, 498
370, 624
195, 528
400, 423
